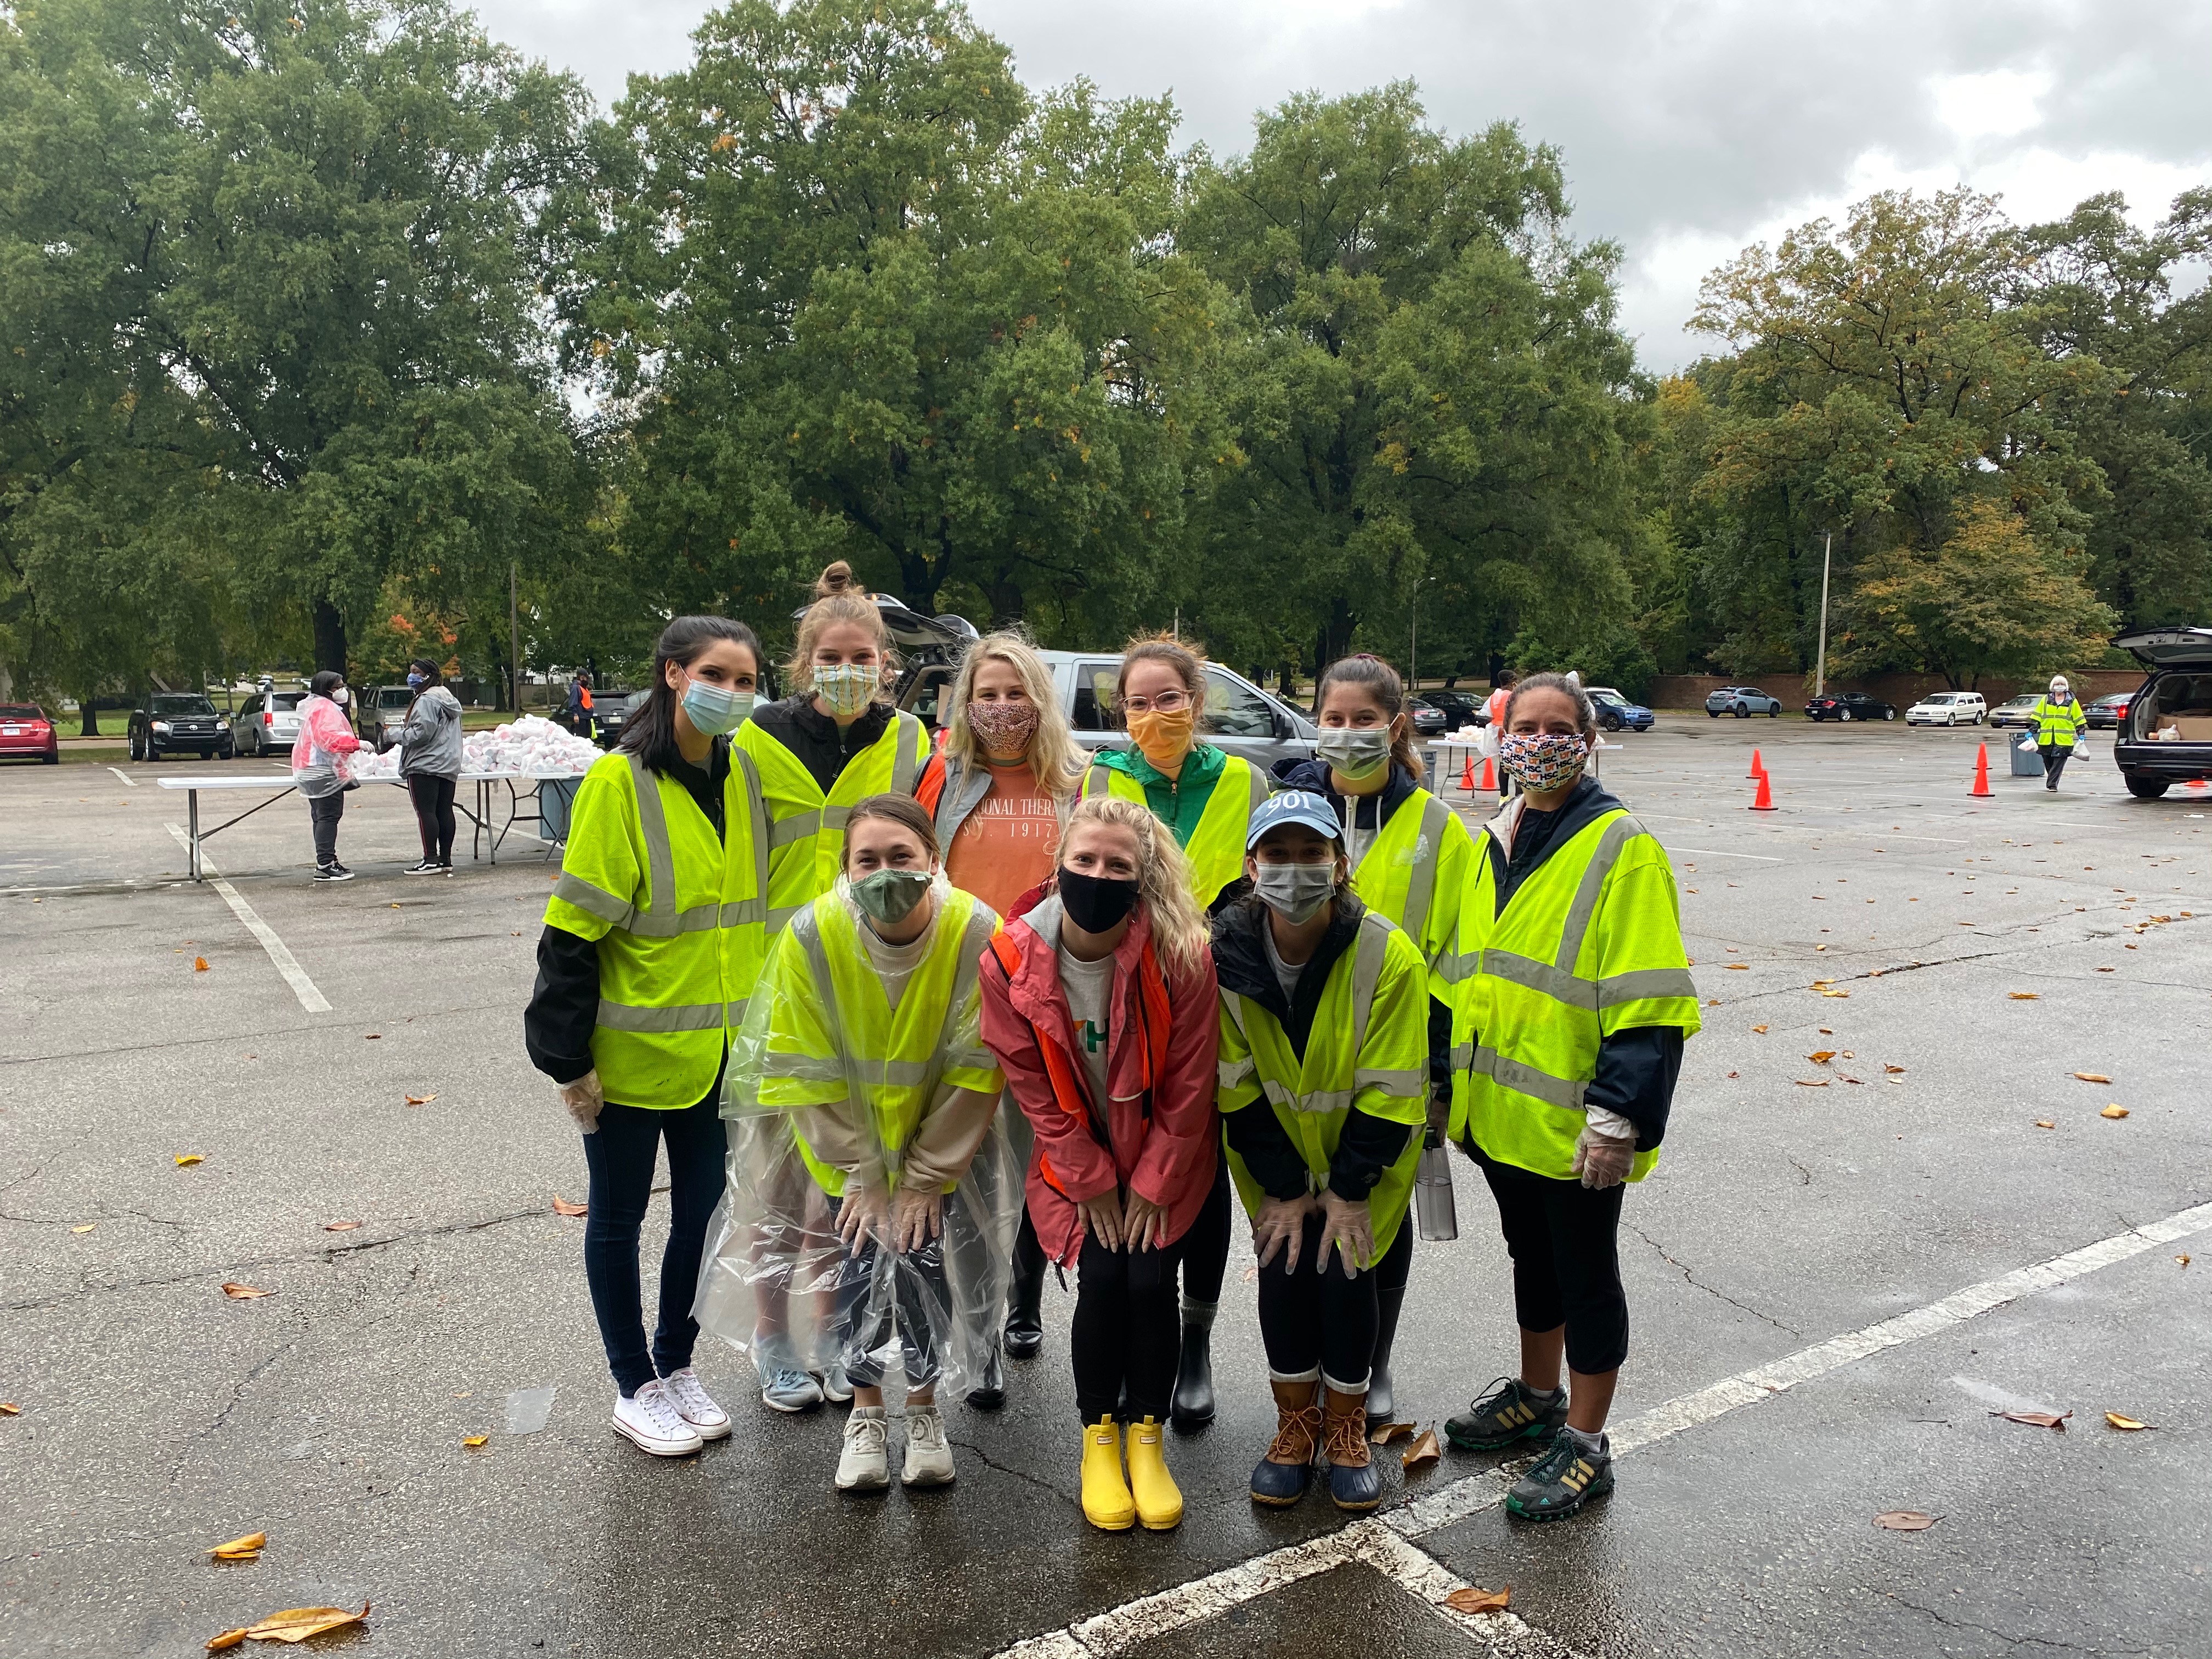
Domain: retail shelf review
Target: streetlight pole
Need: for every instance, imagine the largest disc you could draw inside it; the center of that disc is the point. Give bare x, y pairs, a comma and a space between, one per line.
513, 640
1821, 661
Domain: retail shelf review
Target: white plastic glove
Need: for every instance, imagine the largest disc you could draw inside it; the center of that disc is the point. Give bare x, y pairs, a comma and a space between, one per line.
584, 1099
1605, 1149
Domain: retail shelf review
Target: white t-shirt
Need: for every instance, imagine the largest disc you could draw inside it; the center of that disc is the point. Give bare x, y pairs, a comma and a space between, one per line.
1287, 974
1090, 987
895, 964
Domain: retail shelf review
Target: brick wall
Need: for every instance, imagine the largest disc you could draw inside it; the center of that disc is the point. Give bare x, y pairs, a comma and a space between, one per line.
1690, 690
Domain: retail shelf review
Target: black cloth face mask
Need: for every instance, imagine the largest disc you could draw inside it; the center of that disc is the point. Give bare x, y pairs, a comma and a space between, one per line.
1096, 903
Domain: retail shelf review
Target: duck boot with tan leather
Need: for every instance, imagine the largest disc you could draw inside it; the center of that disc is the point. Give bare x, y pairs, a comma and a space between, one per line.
1280, 1478
1107, 1503
1159, 1500
1354, 1482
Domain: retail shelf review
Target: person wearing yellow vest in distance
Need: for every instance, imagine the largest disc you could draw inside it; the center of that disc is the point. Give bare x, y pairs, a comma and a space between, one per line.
834, 741
1009, 772
1205, 799
2059, 724
1409, 855
862, 1068
1324, 1035
653, 937
1100, 1006
1574, 1000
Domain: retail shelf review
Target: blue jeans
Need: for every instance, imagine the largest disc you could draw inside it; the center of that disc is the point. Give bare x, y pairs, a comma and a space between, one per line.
620, 1156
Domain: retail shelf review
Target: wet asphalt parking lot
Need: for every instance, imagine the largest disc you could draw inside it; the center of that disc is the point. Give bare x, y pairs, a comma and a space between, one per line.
1834, 1278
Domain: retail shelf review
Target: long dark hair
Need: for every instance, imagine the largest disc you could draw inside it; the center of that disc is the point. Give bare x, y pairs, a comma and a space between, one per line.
1380, 682
649, 732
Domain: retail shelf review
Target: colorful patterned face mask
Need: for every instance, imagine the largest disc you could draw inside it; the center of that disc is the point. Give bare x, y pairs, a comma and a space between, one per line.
1004, 727
1541, 763
847, 689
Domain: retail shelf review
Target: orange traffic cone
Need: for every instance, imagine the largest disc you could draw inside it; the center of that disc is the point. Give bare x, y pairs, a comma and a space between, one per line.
1466, 773
1765, 802
1981, 772
1490, 774
1758, 766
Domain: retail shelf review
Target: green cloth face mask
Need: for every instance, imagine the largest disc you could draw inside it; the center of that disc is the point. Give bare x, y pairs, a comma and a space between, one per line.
889, 895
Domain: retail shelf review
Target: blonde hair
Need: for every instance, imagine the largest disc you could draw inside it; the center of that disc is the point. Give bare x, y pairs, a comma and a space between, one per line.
1188, 660
839, 598
1180, 934
1053, 758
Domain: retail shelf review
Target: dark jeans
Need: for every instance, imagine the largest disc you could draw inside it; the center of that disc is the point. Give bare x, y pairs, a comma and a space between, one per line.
2055, 757
432, 796
1126, 1331
323, 813
620, 1154
921, 1288
1206, 1246
1308, 1318
1566, 1270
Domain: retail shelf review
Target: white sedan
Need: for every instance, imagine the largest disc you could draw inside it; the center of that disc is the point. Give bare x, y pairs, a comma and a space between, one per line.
1947, 708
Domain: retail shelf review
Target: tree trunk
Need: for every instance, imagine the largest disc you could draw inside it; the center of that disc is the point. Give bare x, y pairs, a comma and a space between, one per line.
330, 636
86, 706
1007, 601
1336, 632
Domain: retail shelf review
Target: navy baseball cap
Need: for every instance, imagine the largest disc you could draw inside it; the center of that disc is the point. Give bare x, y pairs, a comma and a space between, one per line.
1293, 807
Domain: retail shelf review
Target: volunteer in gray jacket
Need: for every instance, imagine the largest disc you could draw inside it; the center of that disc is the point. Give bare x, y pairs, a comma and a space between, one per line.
430, 760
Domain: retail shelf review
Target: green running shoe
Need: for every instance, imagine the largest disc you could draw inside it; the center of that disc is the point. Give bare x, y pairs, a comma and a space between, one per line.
1568, 1476
1512, 1413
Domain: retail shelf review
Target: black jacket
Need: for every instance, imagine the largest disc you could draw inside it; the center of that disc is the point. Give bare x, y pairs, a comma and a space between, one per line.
1368, 1145
1636, 1068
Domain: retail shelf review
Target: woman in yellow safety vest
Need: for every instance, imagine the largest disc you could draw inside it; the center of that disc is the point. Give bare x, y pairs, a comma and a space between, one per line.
1324, 1038
653, 939
1207, 798
2059, 724
834, 740
863, 1076
1409, 855
1574, 998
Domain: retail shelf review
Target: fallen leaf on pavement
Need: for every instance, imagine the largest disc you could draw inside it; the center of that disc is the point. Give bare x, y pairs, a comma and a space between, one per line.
1822, 1056
372, 1037
187, 1158
87, 1228
298, 1623
2129, 1424
1251, 1273
238, 1293
229, 1639
247, 1548
1735, 1074
1761, 1029
1905, 1521
2183, 1260
563, 1207
2108, 970
475, 1440
1812, 1082
1474, 1599
2024, 996
2037, 1419
1738, 967
2092, 1077
2045, 1123
1424, 1451
1833, 992
1384, 1433
2114, 1110
1894, 1071
9, 1408
421, 1100
199, 964
340, 1226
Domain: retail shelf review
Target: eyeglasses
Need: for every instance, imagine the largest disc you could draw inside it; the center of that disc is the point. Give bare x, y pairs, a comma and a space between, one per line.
1168, 702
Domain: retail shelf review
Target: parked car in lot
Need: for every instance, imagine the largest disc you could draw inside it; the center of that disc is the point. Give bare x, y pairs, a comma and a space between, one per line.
1949, 709
1742, 702
26, 733
1616, 713
2016, 712
1850, 706
2106, 713
384, 707
170, 722
2166, 736
1429, 721
267, 723
609, 709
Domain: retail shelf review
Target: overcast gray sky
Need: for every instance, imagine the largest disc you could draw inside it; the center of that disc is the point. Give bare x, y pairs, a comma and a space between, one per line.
1691, 128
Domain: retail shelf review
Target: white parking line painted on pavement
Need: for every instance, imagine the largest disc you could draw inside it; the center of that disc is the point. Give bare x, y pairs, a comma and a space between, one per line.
1714, 853
1199, 1600
287, 965
124, 775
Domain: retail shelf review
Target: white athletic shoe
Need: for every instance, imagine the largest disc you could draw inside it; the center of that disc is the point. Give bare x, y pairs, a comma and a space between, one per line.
650, 1419
864, 1465
928, 1455
695, 1406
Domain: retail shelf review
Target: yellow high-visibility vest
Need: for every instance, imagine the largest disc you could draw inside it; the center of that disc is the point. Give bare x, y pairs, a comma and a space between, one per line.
2060, 723
1369, 1047
1217, 845
806, 828
1414, 871
679, 918
1590, 944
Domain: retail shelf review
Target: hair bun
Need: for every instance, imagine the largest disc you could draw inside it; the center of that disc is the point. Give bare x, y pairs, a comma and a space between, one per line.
837, 578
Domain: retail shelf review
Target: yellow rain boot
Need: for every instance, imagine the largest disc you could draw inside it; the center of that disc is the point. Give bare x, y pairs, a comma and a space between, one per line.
1106, 1501
1159, 1500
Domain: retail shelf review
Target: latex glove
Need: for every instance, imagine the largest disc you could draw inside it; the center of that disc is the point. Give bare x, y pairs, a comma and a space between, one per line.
1102, 1216
916, 1218
1144, 1224
1602, 1160
584, 1099
1281, 1221
863, 1214
1350, 1227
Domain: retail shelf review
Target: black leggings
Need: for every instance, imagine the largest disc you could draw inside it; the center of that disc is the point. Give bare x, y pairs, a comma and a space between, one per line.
2055, 757
1125, 1332
1566, 1269
922, 1290
323, 813
432, 796
1206, 1246
1326, 1319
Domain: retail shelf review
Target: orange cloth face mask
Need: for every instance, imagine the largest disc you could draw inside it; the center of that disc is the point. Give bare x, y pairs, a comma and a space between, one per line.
1164, 739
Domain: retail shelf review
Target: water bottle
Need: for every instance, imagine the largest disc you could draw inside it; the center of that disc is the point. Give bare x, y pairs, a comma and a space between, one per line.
1434, 1212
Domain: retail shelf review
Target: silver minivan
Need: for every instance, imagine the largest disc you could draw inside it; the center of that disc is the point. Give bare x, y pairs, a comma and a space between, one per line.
267, 723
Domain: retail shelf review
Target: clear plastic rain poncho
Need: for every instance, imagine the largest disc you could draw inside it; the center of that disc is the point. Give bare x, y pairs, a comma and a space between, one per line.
847, 1085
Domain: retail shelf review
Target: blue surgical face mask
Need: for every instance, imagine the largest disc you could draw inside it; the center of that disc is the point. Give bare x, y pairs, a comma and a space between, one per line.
715, 709
417, 679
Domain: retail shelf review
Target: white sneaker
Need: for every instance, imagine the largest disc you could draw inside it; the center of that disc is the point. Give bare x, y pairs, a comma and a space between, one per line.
928, 1455
836, 1385
650, 1419
864, 1465
695, 1406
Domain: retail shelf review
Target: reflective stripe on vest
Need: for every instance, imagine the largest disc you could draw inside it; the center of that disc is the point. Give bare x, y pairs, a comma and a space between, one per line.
1215, 848
1368, 952
1389, 853
799, 813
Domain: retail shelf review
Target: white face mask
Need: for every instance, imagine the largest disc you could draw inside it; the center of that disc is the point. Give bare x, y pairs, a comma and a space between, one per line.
1354, 752
341, 696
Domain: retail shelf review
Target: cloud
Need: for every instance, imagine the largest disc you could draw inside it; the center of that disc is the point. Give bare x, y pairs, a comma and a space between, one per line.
1689, 129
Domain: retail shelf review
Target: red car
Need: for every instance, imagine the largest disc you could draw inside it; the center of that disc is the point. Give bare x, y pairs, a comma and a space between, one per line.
26, 733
